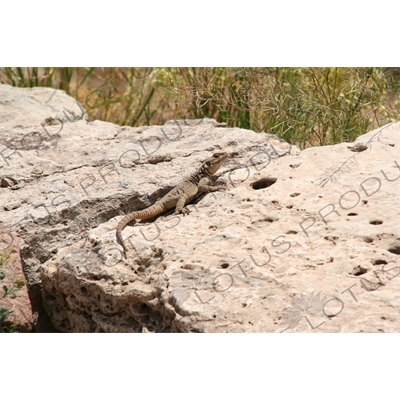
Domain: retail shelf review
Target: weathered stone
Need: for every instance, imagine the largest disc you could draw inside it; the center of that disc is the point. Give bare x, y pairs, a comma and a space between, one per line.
272, 253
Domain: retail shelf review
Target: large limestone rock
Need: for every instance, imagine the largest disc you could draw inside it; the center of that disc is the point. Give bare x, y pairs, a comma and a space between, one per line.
299, 241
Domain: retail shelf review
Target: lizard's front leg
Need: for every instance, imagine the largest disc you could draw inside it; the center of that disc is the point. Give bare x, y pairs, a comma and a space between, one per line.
205, 186
208, 188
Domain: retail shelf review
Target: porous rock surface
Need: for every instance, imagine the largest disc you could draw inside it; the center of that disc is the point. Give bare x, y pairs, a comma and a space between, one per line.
298, 242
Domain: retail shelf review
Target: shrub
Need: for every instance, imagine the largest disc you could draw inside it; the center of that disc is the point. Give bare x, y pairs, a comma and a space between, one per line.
304, 106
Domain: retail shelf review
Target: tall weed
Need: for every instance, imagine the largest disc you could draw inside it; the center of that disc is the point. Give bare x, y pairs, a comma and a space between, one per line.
304, 106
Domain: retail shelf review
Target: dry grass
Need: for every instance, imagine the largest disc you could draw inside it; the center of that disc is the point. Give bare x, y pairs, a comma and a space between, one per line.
305, 106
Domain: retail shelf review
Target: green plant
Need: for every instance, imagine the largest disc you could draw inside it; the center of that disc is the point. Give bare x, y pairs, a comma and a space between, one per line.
13, 328
3, 313
124, 96
17, 284
304, 106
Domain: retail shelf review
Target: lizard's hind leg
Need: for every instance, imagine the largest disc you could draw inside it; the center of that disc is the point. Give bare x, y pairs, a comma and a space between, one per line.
180, 206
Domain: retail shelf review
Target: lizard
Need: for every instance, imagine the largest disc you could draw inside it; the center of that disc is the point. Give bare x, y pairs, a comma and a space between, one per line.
179, 196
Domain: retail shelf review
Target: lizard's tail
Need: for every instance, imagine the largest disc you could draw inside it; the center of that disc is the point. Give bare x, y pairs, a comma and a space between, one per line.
148, 212
121, 225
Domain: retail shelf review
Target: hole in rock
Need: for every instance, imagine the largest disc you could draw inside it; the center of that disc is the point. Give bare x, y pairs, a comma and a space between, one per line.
395, 249
357, 271
378, 262
263, 183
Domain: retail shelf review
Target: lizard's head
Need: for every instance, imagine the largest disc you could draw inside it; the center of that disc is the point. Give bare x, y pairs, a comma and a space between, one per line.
213, 163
